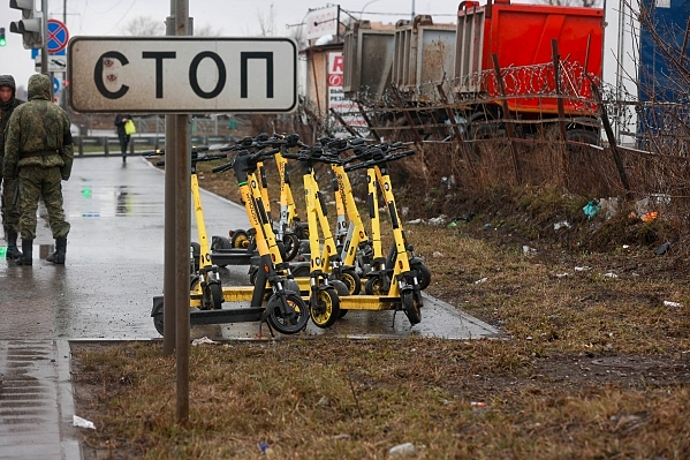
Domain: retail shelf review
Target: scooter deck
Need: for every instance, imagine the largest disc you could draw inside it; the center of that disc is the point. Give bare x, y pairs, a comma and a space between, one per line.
369, 302
223, 257
230, 294
226, 315
222, 316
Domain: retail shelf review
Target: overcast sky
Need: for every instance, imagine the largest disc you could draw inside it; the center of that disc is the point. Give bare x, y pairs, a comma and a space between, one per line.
229, 17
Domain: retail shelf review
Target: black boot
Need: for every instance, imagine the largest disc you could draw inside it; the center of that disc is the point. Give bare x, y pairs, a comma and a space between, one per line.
27, 249
58, 257
13, 252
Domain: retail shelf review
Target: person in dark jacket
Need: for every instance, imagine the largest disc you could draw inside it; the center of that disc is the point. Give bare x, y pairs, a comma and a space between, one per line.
39, 150
120, 121
9, 208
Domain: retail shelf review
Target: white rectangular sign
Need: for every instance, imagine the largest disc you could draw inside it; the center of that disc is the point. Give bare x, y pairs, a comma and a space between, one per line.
322, 21
182, 74
56, 64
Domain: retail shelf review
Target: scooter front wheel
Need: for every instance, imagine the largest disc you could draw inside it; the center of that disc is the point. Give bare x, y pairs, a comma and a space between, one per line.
157, 315
291, 319
216, 293
410, 305
327, 309
423, 275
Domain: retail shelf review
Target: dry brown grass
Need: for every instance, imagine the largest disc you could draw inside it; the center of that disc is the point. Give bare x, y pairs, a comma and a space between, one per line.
595, 368
345, 399
592, 366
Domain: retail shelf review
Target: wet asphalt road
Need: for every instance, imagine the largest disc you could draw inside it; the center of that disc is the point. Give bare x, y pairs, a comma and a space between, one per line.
115, 266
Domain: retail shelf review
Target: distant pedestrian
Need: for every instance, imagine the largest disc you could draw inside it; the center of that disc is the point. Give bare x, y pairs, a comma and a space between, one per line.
40, 152
120, 122
9, 208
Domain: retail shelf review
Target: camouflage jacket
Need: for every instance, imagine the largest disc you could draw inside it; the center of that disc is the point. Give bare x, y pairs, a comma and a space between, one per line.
6, 109
38, 126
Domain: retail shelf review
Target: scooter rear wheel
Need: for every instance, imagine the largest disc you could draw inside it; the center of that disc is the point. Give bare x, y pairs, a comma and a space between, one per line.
352, 281
410, 305
327, 310
294, 319
342, 290
374, 286
301, 271
240, 240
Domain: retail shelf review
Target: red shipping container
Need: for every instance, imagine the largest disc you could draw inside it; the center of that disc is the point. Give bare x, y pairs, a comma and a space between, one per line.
521, 36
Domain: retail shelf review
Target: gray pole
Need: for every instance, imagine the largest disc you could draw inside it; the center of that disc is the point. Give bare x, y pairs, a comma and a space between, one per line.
412, 10
169, 257
619, 67
63, 99
44, 50
183, 198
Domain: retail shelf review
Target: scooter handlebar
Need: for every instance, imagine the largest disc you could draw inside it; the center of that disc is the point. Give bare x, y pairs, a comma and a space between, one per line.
223, 168
376, 161
212, 157
267, 153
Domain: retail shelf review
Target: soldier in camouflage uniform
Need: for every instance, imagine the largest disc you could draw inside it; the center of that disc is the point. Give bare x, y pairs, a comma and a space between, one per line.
39, 151
9, 209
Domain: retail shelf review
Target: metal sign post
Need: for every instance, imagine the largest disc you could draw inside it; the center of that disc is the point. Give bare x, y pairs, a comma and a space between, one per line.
181, 219
169, 237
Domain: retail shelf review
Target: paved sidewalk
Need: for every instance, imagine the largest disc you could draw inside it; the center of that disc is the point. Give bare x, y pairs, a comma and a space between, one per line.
36, 405
114, 268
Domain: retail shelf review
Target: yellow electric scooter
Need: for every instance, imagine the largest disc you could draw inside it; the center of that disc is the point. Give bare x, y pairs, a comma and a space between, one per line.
325, 310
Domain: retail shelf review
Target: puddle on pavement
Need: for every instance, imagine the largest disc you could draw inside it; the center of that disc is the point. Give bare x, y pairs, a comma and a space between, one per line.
118, 201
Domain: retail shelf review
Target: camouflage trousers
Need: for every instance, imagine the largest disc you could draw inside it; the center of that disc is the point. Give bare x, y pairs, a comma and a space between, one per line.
36, 182
9, 208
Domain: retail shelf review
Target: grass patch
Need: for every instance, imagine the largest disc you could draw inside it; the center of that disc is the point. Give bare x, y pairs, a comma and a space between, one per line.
594, 364
335, 399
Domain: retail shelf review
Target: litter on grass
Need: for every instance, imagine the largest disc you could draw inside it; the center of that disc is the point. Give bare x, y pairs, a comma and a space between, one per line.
528, 251
668, 303
82, 423
591, 209
562, 224
402, 450
202, 341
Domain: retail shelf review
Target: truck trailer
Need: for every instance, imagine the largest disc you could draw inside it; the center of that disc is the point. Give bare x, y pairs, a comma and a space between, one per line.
521, 37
